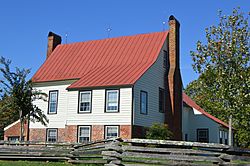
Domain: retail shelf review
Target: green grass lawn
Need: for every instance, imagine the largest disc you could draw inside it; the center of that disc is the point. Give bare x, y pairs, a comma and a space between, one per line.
39, 163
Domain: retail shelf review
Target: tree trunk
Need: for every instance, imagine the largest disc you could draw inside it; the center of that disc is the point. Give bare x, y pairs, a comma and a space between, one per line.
28, 128
21, 125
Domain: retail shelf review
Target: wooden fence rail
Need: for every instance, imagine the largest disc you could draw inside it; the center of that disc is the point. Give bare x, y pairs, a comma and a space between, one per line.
89, 153
126, 152
164, 152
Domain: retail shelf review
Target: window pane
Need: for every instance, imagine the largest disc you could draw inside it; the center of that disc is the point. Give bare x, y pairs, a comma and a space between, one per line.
52, 133
165, 60
144, 102
84, 139
53, 96
85, 106
220, 134
161, 100
202, 135
84, 131
111, 132
85, 96
112, 96
53, 107
112, 100
226, 135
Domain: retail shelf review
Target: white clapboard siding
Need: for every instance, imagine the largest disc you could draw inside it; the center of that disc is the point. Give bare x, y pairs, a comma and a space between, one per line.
98, 116
151, 81
55, 120
67, 111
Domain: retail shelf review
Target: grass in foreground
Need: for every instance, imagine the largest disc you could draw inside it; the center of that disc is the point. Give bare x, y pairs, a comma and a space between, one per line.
39, 163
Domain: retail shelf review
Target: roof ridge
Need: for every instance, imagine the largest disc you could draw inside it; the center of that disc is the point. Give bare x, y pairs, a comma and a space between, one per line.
138, 34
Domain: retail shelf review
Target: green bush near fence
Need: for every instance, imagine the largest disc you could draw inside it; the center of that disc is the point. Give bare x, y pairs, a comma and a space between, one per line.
159, 131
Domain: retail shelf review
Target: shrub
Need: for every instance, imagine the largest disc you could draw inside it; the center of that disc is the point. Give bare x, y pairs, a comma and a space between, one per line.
159, 131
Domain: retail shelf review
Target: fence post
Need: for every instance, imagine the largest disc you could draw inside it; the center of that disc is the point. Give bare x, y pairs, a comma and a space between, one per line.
230, 137
113, 153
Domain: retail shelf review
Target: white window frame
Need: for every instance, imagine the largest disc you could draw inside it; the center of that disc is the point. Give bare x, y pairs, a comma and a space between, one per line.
80, 101
47, 135
221, 135
106, 132
54, 102
226, 137
107, 101
89, 136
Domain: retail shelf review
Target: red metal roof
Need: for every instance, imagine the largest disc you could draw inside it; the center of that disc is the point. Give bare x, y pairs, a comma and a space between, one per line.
192, 104
107, 62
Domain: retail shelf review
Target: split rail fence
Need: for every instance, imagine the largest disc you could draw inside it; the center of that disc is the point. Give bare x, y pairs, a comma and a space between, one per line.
127, 152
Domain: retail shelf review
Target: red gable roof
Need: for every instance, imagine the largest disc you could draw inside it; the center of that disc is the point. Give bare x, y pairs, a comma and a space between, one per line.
107, 62
192, 104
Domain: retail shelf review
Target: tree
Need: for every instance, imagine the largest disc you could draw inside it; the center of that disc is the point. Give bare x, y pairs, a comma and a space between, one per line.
21, 95
223, 62
159, 131
7, 115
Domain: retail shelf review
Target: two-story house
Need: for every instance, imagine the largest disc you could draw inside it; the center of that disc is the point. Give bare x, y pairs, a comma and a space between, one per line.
112, 87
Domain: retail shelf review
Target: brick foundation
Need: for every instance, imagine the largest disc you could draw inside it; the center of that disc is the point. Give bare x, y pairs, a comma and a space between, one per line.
125, 131
97, 132
37, 134
69, 133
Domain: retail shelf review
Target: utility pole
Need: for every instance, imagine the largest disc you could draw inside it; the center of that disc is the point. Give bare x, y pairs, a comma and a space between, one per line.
230, 134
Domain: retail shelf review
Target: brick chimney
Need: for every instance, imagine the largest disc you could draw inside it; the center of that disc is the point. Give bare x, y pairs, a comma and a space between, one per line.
173, 80
53, 41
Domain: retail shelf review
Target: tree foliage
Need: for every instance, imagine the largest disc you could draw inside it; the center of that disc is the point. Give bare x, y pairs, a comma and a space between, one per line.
223, 63
7, 115
20, 95
159, 131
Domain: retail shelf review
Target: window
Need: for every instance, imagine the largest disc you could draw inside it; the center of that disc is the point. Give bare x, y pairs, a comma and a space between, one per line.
161, 100
186, 137
226, 137
221, 136
111, 132
52, 135
112, 100
14, 138
84, 101
84, 134
165, 58
202, 135
53, 96
144, 102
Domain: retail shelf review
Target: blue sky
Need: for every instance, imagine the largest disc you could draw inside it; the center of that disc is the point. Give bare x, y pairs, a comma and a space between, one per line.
24, 25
